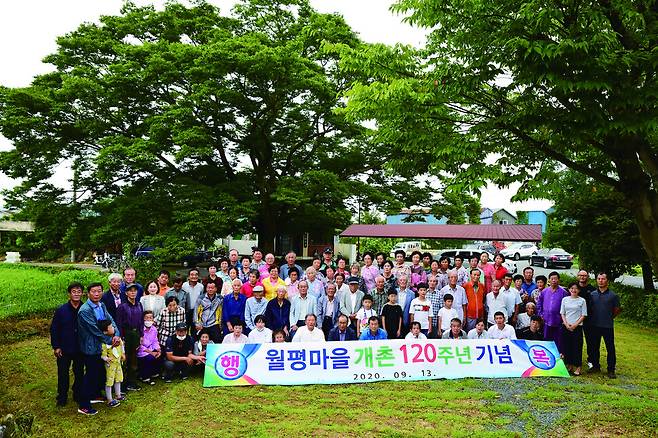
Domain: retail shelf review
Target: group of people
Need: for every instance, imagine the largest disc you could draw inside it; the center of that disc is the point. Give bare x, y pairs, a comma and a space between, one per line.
132, 332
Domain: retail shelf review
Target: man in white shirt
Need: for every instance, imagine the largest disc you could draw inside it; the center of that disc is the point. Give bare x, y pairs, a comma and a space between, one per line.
309, 333
194, 289
459, 300
495, 302
501, 330
512, 299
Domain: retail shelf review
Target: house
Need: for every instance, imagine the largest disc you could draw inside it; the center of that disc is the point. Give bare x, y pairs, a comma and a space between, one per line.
539, 217
419, 216
498, 216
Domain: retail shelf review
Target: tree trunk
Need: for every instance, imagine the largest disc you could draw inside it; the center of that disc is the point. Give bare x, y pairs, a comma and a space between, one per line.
647, 277
646, 216
266, 225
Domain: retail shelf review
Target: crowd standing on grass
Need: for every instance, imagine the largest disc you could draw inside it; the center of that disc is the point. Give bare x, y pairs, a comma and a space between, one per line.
132, 334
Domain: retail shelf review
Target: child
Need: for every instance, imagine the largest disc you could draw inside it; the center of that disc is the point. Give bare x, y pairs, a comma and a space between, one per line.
149, 353
261, 334
364, 314
392, 316
421, 309
446, 314
113, 357
279, 336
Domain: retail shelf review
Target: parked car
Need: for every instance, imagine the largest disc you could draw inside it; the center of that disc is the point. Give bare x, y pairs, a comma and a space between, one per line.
468, 253
407, 247
552, 258
144, 251
199, 256
518, 251
483, 247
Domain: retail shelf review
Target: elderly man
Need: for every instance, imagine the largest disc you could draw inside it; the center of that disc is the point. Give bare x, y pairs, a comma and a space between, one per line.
405, 296
309, 332
129, 277
91, 338
277, 312
291, 259
475, 294
374, 333
379, 294
254, 306
194, 289
512, 299
548, 307
495, 302
328, 310
455, 331
350, 303
342, 332
233, 257
586, 291
64, 340
458, 293
605, 308
302, 305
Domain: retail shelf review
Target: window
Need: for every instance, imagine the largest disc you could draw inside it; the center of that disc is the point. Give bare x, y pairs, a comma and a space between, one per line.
503, 222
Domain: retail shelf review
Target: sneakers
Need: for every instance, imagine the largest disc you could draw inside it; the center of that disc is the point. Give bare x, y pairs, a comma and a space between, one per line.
132, 388
148, 381
87, 411
590, 365
612, 375
114, 403
120, 398
167, 379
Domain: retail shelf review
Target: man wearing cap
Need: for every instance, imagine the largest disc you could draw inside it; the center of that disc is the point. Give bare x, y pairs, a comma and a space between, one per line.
309, 332
254, 306
350, 303
130, 320
327, 260
179, 354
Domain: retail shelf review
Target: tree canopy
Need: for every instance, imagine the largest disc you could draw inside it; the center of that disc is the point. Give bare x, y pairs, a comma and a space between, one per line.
183, 125
508, 91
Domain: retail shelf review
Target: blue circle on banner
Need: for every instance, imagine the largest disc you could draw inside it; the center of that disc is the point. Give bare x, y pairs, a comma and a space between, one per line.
541, 357
231, 365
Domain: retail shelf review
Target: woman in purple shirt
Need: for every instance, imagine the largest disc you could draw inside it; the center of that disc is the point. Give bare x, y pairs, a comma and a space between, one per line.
548, 307
149, 352
369, 272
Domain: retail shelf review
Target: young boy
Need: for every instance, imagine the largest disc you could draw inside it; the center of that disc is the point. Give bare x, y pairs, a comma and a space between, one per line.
364, 314
421, 309
113, 357
446, 314
392, 316
415, 332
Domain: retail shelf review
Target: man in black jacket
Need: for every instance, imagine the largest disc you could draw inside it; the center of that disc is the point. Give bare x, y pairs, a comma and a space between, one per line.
342, 332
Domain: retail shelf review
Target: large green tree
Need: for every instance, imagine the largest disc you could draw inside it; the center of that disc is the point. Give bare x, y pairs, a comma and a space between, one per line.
591, 220
183, 125
507, 91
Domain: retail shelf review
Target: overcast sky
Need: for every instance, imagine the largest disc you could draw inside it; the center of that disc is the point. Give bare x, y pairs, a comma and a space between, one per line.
28, 29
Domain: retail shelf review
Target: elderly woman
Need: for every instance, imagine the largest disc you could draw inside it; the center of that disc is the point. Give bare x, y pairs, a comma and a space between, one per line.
291, 283
369, 271
265, 269
315, 286
523, 319
169, 318
113, 297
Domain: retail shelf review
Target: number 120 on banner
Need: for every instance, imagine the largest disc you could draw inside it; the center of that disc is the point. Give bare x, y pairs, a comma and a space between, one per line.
368, 361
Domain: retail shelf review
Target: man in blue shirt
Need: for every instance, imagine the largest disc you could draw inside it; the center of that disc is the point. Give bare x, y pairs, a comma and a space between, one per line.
64, 340
373, 333
90, 339
291, 259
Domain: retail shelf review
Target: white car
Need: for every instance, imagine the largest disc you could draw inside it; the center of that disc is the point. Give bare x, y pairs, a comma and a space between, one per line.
519, 251
407, 247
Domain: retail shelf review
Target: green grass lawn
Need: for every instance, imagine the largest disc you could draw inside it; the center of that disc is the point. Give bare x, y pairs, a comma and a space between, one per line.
584, 406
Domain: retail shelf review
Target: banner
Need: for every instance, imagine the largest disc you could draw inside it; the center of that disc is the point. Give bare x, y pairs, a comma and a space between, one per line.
369, 361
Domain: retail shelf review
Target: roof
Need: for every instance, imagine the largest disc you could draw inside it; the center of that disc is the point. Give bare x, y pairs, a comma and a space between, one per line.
520, 233
498, 210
